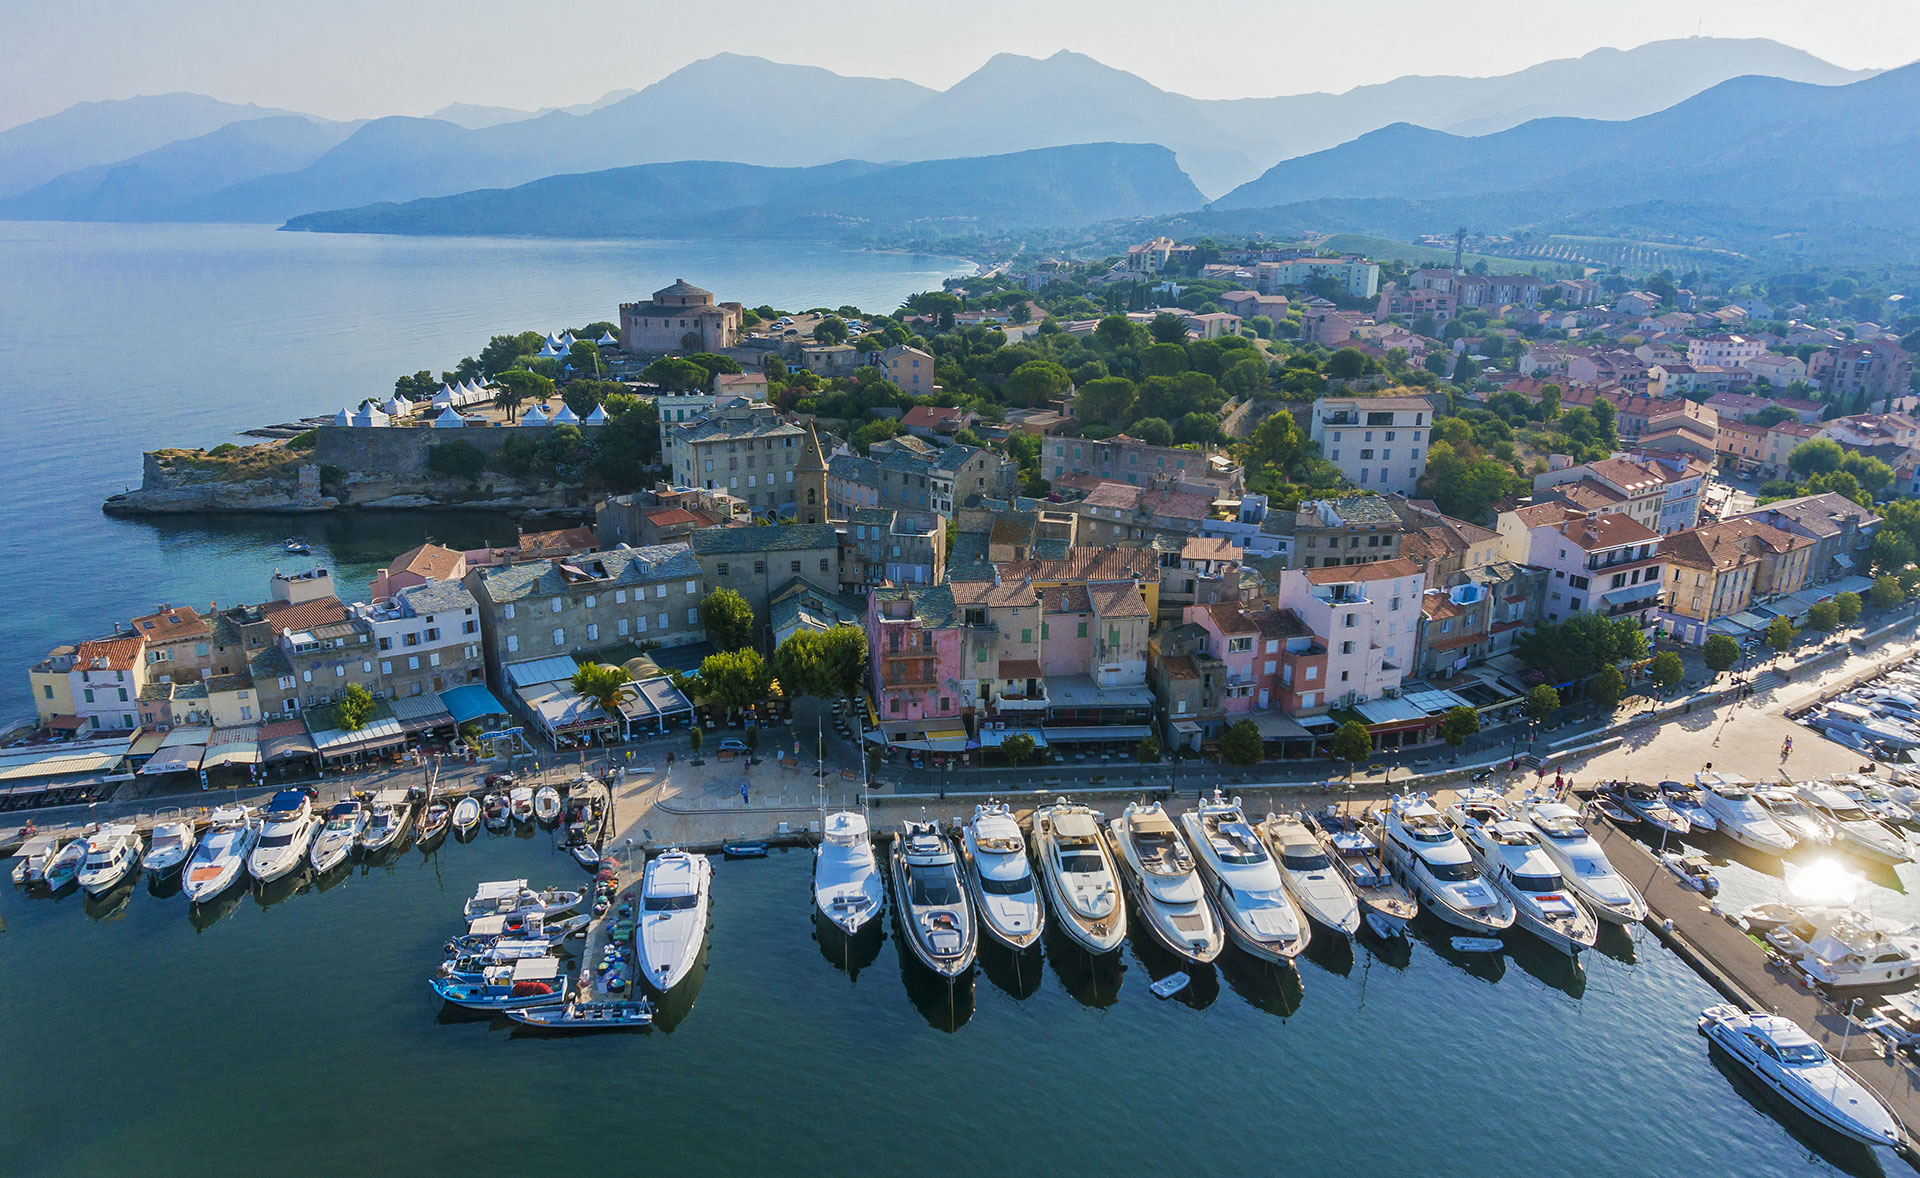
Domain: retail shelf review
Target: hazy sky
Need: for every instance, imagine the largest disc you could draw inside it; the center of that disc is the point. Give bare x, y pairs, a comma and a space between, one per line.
354, 58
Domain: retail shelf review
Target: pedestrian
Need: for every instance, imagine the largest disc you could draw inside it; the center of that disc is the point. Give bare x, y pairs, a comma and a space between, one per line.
743, 794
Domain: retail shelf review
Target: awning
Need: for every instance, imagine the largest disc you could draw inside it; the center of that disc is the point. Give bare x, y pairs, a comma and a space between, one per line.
285, 740
1843, 560
1098, 732
557, 669
1435, 700
146, 744
1389, 711
1748, 620
65, 723
1191, 727
58, 763
471, 702
185, 736
1859, 585
180, 758
419, 713
378, 734
993, 738
1274, 726
235, 753
1641, 592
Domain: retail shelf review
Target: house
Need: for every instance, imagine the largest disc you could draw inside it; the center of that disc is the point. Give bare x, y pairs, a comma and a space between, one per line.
1842, 532
1738, 405
1875, 370
1740, 445
1353, 277
426, 637
1148, 258
105, 678
1125, 459
1112, 512
1476, 614
1441, 546
1866, 430
1353, 529
1717, 570
1413, 302
937, 423
915, 665
680, 318
907, 474
830, 359
1366, 618
1777, 370
895, 547
908, 369
1599, 562
1378, 443
416, 566
749, 385
1782, 438
1249, 303
801, 605
1213, 325
749, 451
179, 644
754, 562
1724, 350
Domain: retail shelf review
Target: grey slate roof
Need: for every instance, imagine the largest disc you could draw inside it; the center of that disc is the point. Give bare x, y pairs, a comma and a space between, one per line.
437, 597
719, 429
621, 566
932, 604
772, 538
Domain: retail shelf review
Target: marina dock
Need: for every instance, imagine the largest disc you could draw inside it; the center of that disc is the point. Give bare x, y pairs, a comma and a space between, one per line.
1734, 964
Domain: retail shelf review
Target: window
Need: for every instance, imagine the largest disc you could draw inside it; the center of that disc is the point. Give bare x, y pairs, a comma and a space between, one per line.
640, 624
593, 632
693, 616
413, 662
980, 655
508, 610
556, 605
659, 590
760, 566
624, 627
591, 599
722, 569
1239, 645
823, 564
1026, 635
559, 636
665, 621
386, 667
1350, 620
693, 586
513, 643
1346, 648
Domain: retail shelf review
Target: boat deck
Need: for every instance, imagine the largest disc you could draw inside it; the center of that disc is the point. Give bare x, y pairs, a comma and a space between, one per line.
1732, 963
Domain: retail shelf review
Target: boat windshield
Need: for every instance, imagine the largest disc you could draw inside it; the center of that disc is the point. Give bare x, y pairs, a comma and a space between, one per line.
276, 840
1305, 861
1537, 883
1007, 887
1452, 872
1801, 1054
1081, 863
671, 903
935, 885
165, 841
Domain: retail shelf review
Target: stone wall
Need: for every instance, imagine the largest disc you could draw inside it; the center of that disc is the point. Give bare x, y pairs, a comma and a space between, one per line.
401, 451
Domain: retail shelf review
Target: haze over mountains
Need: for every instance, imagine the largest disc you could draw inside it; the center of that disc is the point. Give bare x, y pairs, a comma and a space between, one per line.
731, 108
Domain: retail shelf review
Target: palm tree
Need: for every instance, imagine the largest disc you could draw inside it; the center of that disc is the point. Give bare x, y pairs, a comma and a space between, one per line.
601, 685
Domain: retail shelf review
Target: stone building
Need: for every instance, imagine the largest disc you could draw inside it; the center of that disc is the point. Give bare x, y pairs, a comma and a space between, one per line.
587, 602
679, 318
750, 452
755, 562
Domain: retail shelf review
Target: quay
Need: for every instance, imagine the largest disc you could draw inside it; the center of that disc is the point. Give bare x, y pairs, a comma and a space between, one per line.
1733, 963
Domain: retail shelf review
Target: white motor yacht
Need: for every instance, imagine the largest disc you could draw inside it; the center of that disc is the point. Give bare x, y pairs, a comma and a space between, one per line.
1685, 800
1510, 857
1168, 894
929, 901
512, 897
1806, 825
222, 854
846, 880
1006, 897
1874, 797
1842, 949
1078, 875
112, 853
1244, 882
286, 830
169, 846
1785, 1058
1582, 863
1351, 844
1310, 876
673, 916
1737, 815
389, 816
336, 840
1433, 862
1854, 829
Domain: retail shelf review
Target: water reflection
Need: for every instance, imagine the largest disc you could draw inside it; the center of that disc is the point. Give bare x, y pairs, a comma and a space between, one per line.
1203, 981
1842, 1153
1263, 985
162, 885
1330, 951
671, 1008
208, 913
110, 904
1091, 979
946, 1004
1540, 961
1438, 935
1616, 941
1015, 972
849, 954
281, 890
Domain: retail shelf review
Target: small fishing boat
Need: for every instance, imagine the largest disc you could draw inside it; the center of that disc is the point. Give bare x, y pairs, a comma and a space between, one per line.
929, 901
1764, 918
65, 864
586, 1016
346, 820
520, 803
846, 880
1169, 897
392, 812
466, 815
744, 849
493, 811
222, 854
674, 892
998, 878
1078, 875
512, 897
1693, 871
585, 854
1170, 985
1386, 906
168, 847
112, 854
529, 926
34, 855
296, 547
436, 818
546, 804
515, 985
1777, 1053
1608, 806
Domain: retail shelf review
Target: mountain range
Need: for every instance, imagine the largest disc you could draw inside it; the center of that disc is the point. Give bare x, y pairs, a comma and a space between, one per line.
731, 108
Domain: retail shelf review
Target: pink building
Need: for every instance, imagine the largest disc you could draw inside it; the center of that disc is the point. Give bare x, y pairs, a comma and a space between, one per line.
1367, 616
913, 653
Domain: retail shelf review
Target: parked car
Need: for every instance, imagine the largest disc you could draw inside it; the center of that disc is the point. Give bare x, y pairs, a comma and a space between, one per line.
733, 744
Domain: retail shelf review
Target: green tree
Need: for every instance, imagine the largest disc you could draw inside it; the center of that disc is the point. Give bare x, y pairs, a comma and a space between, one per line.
1114, 332
1458, 725
1848, 607
1347, 364
516, 386
1780, 635
676, 374
1607, 688
1581, 645
1886, 592
628, 446
1667, 669
1148, 750
1351, 743
1037, 382
831, 330
1168, 328
1871, 473
1246, 376
1542, 701
601, 685
1153, 431
753, 740
1816, 456
1018, 749
1164, 359
584, 359
1199, 428
504, 351
877, 430
727, 619
736, 679
695, 738
1720, 653
1824, 617
1105, 400
1240, 744
822, 663
354, 709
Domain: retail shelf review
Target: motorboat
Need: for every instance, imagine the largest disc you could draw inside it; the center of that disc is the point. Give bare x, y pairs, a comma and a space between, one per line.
512, 897
1844, 949
1692, 872
388, 819
998, 878
1685, 801
1386, 906
585, 854
168, 846
221, 855
520, 803
65, 864
296, 547
466, 815
674, 891
1649, 804
1317, 887
286, 830
1874, 797
746, 849
1872, 726
1784, 1058
1738, 816
493, 811
1437, 867
34, 855
524, 926
1243, 881
1805, 824
574, 1015
546, 804
112, 854
473, 961
1583, 865
1854, 830
1169, 897
929, 901
1509, 854
846, 880
512, 985
1078, 875
436, 818
1608, 806
1764, 918
336, 840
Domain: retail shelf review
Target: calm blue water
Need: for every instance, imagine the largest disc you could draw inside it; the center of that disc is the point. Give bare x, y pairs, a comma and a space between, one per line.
116, 339
297, 1034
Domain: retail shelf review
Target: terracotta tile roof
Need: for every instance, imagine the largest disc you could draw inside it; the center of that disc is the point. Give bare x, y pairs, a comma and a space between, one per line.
1020, 669
1379, 570
1116, 599
564, 542
1610, 530
1437, 604
429, 560
1536, 515
110, 654
1728, 543
1590, 494
1103, 562
304, 615
1279, 623
1119, 496
1229, 618
1066, 599
1623, 474
1208, 548
171, 624
1007, 593
1179, 667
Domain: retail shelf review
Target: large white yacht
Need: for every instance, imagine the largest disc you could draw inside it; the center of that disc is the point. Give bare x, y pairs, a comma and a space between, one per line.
112, 853
1787, 1060
1854, 830
1510, 857
1842, 949
1168, 895
846, 880
929, 901
1610, 895
1730, 800
1006, 897
1244, 881
1432, 861
285, 832
221, 855
345, 821
1806, 825
1309, 873
1078, 875
673, 916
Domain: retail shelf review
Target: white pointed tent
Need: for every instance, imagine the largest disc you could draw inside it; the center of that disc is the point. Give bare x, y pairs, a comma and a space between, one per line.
566, 415
606, 340
370, 416
598, 416
344, 417
535, 416
549, 352
397, 406
448, 419
553, 341
444, 397
567, 341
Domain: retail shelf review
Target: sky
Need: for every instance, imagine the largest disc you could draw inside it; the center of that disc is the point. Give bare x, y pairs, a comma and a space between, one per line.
364, 58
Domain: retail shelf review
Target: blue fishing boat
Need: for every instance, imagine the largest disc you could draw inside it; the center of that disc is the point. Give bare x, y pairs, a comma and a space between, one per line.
515, 985
744, 850
586, 1016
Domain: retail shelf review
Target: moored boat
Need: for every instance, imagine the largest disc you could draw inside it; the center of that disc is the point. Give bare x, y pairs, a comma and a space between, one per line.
1078, 876
1313, 881
1777, 1053
520, 803
112, 854
436, 818
1351, 845
65, 864
998, 878
513, 897
168, 846
34, 856
493, 811
1685, 800
1436, 865
1738, 816
466, 815
546, 804
388, 818
513, 985
1649, 804
1583, 865
345, 821
674, 891
1509, 855
286, 830
846, 879
929, 901
1805, 824
1854, 829
574, 1015
1244, 882
1169, 897
221, 856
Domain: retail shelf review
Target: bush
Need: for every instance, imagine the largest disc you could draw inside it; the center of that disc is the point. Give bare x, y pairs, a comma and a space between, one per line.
304, 441
456, 459
1240, 744
1667, 669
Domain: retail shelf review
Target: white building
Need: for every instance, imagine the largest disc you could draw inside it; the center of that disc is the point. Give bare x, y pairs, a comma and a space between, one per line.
1379, 443
1368, 615
1597, 563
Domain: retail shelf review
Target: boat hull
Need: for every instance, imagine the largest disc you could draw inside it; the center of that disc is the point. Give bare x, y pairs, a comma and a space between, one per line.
480, 996
948, 966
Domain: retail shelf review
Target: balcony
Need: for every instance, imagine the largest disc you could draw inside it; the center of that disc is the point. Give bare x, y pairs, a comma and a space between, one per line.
909, 672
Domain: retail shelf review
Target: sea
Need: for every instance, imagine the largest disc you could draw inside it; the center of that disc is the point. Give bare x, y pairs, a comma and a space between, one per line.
290, 1030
